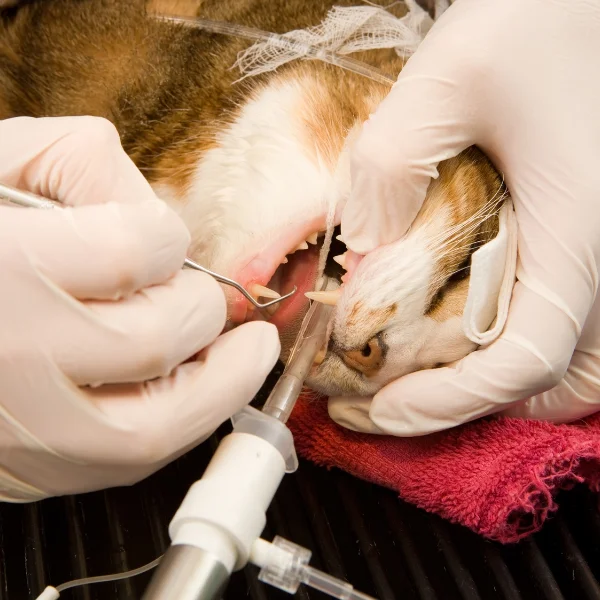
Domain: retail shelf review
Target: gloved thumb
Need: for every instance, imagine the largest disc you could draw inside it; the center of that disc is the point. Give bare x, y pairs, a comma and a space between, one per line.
429, 116
165, 417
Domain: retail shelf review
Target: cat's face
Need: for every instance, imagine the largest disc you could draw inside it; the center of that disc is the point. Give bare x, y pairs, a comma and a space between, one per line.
265, 191
254, 169
401, 308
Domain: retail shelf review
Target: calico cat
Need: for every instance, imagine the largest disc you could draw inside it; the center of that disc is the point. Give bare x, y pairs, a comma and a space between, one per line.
252, 167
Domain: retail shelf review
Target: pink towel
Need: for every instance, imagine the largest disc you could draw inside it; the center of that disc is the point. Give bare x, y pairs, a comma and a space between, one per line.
499, 477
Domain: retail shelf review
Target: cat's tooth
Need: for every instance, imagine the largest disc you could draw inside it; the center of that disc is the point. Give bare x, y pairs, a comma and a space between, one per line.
341, 260
285, 260
301, 246
320, 357
340, 238
260, 291
331, 298
312, 238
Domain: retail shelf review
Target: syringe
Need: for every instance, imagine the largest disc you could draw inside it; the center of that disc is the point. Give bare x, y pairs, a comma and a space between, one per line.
217, 527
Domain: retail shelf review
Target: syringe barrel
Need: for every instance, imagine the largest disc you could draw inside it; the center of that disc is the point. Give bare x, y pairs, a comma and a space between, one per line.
188, 573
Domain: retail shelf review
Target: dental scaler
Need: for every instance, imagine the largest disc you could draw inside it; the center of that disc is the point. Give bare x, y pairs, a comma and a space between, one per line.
16, 197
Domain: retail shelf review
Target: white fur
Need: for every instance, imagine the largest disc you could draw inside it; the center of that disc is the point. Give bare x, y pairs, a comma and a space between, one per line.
259, 178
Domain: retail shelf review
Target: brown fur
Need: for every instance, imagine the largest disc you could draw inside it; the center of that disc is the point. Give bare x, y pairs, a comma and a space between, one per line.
166, 88
467, 185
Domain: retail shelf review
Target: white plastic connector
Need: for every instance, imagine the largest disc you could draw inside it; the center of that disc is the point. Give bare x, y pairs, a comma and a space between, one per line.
225, 511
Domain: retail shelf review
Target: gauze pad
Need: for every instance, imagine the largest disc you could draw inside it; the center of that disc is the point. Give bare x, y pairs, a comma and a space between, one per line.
493, 275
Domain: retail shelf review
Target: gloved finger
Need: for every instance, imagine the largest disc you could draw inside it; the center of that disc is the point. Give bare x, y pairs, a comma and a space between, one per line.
144, 336
530, 357
165, 416
575, 397
429, 116
75, 160
353, 413
99, 252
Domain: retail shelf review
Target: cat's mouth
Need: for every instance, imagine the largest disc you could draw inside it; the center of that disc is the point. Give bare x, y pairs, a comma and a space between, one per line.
297, 267
300, 270
289, 260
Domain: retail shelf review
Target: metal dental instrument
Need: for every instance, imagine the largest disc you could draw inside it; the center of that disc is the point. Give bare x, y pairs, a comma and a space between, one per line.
28, 200
220, 278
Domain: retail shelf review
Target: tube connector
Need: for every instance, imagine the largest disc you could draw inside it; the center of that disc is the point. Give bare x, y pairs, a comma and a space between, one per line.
284, 565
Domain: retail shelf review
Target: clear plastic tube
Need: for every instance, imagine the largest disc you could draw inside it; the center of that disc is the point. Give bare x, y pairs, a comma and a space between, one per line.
51, 593
310, 339
105, 578
232, 29
330, 585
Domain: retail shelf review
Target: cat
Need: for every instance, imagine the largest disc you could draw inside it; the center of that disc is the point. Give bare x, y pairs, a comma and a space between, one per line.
253, 166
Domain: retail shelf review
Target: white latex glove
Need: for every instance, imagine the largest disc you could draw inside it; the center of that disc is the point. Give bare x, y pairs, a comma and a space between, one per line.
519, 79
95, 295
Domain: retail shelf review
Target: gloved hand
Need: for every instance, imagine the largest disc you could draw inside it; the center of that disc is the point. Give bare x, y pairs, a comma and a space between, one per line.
97, 316
518, 79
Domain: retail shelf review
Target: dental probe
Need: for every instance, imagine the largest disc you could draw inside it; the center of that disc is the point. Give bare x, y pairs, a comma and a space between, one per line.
28, 200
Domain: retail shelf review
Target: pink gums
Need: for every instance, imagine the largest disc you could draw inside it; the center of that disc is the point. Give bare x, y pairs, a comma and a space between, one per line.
261, 267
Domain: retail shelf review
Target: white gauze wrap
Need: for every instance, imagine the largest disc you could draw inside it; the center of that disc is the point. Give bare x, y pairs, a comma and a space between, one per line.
493, 275
345, 30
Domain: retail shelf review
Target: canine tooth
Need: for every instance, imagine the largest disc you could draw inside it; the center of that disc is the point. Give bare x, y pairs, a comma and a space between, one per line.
312, 238
320, 357
331, 298
302, 246
260, 291
340, 238
341, 260
285, 260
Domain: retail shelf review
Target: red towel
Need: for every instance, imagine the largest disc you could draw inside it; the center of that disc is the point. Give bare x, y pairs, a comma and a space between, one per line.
499, 477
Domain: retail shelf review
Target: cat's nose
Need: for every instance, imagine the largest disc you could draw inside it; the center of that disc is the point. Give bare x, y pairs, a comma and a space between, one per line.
368, 360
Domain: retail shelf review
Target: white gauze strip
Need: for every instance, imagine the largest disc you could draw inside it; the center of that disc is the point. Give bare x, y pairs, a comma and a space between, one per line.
345, 30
